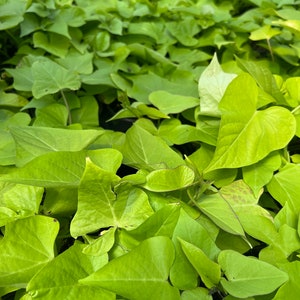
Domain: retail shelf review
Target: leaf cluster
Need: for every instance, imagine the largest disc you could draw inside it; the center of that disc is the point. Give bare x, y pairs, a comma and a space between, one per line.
149, 149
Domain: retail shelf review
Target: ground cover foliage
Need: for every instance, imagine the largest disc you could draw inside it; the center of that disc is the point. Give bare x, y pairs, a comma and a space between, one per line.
149, 149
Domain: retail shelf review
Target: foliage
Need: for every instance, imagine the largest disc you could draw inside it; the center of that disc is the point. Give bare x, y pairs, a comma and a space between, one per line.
149, 149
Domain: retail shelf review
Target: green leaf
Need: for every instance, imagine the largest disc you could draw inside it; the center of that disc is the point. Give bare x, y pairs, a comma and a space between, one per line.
12, 12
27, 246
264, 33
196, 294
125, 277
221, 213
32, 142
50, 170
248, 128
18, 201
161, 223
107, 159
183, 275
291, 289
209, 271
143, 150
284, 186
176, 133
54, 280
165, 180
53, 115
212, 85
170, 103
102, 244
99, 207
282, 246
293, 91
259, 174
255, 220
54, 43
247, 276
263, 77
50, 77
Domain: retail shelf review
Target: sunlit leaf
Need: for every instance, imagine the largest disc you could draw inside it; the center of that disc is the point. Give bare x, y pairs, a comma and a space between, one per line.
149, 282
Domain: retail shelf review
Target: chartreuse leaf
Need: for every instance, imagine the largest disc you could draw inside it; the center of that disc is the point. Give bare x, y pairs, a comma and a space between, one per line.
7, 143
259, 174
59, 278
263, 77
27, 246
221, 213
291, 289
32, 141
247, 276
161, 223
284, 186
264, 33
124, 275
18, 201
56, 169
248, 128
173, 132
293, 91
102, 244
144, 150
212, 85
196, 294
209, 271
283, 245
183, 275
165, 180
50, 77
170, 103
100, 207
255, 220
107, 159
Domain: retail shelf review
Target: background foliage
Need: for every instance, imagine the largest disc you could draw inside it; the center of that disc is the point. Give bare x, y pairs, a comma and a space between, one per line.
149, 149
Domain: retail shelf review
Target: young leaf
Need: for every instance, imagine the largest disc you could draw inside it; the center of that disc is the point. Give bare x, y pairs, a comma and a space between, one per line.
212, 85
134, 277
209, 271
247, 135
165, 180
59, 278
50, 77
27, 246
247, 276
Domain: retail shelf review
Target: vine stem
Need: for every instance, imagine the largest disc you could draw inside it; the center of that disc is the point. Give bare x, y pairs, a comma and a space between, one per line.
67, 106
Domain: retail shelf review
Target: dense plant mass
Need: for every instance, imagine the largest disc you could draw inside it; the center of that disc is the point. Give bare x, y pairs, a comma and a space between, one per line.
149, 149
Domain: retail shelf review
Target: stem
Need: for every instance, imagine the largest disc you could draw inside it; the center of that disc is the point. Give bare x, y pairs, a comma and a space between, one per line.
67, 106
295, 109
270, 49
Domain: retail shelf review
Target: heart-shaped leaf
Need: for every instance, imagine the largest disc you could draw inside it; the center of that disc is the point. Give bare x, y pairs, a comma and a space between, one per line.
247, 135
136, 278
